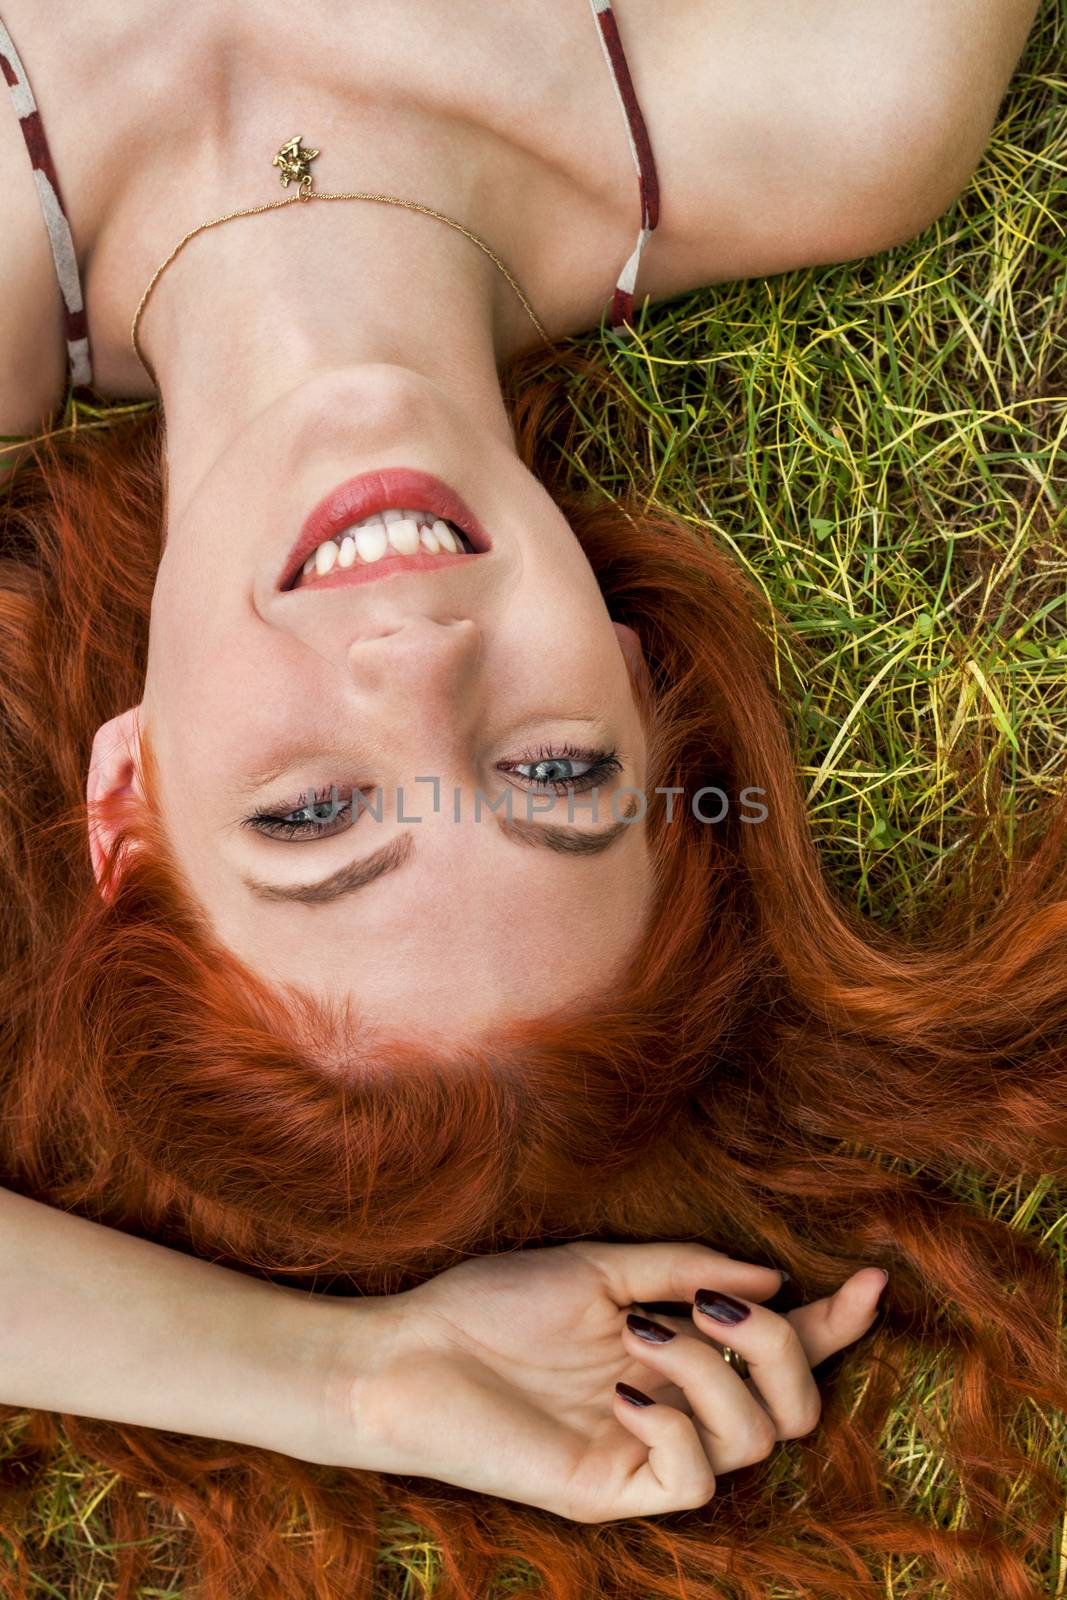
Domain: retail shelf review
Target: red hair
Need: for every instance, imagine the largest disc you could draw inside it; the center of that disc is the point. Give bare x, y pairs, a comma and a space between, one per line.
777, 1078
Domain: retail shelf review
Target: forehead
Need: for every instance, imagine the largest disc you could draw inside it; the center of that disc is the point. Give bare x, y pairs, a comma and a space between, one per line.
471, 930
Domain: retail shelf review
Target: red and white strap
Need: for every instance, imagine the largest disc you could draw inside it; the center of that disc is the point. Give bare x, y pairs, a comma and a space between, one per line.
53, 210
622, 303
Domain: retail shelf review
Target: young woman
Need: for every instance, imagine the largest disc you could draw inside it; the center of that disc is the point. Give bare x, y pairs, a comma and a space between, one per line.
324, 362
593, 1050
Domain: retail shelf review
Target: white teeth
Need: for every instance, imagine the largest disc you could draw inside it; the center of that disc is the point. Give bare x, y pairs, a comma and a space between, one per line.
371, 542
396, 530
404, 536
325, 558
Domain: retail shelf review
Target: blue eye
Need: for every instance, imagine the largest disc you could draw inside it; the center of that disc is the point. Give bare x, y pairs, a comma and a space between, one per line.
599, 764
314, 815
324, 810
305, 817
552, 771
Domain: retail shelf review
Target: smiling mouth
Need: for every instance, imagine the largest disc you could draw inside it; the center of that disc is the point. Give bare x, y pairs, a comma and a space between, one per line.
380, 524
387, 542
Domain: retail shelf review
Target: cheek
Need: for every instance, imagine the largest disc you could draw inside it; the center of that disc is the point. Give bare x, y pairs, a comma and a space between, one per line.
222, 701
562, 635
208, 652
558, 603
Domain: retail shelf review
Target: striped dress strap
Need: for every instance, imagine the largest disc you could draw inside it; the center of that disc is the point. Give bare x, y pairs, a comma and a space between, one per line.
55, 216
622, 303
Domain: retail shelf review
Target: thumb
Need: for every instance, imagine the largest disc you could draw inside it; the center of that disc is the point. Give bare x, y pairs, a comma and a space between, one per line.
831, 1324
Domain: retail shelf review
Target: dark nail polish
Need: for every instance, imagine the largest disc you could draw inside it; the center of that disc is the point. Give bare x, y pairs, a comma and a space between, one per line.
648, 1330
634, 1396
787, 1277
721, 1307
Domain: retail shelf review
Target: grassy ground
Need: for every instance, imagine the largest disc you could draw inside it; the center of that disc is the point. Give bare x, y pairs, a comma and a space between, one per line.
882, 446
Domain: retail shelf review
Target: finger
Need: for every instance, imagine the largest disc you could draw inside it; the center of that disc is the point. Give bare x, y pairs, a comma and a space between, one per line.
677, 1475
823, 1326
777, 1357
676, 1322
828, 1325
733, 1427
640, 1272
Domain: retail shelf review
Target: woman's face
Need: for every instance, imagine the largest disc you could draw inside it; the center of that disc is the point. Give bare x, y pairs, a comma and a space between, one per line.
439, 682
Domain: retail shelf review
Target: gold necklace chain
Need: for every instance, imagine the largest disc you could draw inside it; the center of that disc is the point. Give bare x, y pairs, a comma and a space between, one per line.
295, 163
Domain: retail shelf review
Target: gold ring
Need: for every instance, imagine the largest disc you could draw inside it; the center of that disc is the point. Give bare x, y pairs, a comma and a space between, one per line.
735, 1359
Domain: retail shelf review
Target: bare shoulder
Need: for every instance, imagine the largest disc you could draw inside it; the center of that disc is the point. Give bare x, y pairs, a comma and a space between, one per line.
790, 133
33, 367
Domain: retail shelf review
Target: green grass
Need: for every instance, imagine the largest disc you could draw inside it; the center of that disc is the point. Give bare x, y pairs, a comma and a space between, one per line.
883, 446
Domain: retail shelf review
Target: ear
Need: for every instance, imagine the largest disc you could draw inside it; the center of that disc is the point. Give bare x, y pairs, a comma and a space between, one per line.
635, 655
114, 769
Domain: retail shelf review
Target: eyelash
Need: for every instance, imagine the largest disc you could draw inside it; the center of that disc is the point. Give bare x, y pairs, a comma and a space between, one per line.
602, 764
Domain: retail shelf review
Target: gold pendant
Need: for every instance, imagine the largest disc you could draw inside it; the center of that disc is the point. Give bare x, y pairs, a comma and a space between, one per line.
296, 166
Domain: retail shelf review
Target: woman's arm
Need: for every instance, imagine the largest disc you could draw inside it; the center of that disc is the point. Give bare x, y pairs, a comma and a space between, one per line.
33, 361
99, 1323
498, 1374
794, 133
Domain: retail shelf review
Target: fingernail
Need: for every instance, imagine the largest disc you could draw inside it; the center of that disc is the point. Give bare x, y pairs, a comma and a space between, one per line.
720, 1307
787, 1277
634, 1396
885, 1275
648, 1330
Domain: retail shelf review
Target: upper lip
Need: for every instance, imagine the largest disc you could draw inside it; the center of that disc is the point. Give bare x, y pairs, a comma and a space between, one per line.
393, 489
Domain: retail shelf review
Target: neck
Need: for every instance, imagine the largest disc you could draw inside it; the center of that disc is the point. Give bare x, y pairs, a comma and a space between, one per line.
263, 304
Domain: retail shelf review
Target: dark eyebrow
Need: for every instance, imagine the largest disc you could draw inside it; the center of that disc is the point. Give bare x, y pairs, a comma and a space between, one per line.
563, 838
352, 876
560, 837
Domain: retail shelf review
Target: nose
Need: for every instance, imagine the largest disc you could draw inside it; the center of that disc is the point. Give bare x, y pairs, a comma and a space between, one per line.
428, 659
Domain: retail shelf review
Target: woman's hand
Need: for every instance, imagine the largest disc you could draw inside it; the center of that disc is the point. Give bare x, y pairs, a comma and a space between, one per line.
499, 1375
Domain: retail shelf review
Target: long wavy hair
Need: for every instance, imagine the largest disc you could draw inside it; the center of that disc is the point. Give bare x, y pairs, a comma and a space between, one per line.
777, 1078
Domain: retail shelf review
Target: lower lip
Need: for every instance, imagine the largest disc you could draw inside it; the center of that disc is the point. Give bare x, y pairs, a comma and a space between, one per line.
362, 497
387, 567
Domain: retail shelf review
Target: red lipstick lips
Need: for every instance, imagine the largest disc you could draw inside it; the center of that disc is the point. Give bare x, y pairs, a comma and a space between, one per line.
397, 488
